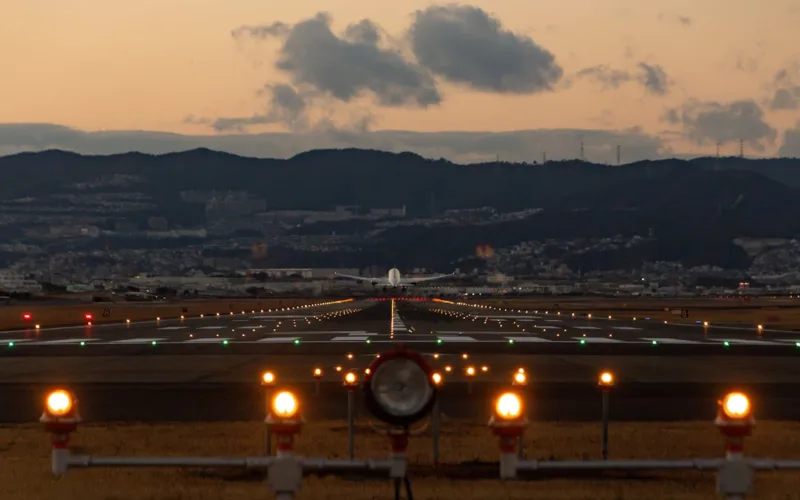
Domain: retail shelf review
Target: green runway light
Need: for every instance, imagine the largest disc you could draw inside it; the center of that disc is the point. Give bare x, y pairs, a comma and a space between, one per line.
655, 343
10, 344
797, 344
510, 341
726, 344
583, 342
153, 342
224, 342
83, 343
297, 341
438, 341
369, 341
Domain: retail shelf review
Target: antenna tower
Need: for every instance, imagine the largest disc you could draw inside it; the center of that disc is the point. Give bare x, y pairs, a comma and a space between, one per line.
582, 157
544, 156
619, 154
718, 144
741, 148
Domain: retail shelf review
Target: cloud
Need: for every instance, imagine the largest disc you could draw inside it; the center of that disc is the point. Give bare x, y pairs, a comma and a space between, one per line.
654, 78
791, 143
651, 76
675, 18
609, 78
786, 85
465, 45
524, 145
345, 67
286, 106
714, 122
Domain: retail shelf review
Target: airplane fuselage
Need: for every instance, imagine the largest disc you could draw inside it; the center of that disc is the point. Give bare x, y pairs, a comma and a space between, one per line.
394, 277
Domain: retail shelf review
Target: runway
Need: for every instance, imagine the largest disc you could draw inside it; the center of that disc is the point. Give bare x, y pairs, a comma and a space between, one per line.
208, 368
363, 326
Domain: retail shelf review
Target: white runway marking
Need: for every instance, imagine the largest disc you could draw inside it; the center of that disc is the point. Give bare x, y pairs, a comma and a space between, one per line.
212, 327
746, 342
206, 340
136, 341
625, 328
251, 327
586, 327
173, 327
598, 340
528, 339
349, 339
278, 340
456, 338
8, 341
547, 327
671, 341
65, 341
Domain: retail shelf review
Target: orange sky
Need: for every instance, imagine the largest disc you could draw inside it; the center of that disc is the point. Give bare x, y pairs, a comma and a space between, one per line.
149, 64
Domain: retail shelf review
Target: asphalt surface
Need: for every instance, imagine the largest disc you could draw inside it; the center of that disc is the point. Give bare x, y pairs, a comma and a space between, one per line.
205, 369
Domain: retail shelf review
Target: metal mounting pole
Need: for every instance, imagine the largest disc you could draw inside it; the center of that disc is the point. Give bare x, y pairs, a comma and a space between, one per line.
351, 404
435, 431
605, 393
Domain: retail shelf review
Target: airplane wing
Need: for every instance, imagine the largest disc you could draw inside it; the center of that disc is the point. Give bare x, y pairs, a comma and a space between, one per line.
362, 278
411, 281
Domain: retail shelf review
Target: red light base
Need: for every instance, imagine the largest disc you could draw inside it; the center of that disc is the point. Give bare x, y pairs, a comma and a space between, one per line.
509, 432
285, 431
398, 437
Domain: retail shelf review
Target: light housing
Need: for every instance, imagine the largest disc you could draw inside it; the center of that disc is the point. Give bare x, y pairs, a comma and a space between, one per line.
606, 379
736, 406
350, 379
59, 403
268, 379
400, 387
519, 379
317, 373
508, 407
284, 405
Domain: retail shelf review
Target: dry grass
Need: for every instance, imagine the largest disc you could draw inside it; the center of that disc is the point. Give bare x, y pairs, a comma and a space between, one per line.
759, 312
49, 316
25, 467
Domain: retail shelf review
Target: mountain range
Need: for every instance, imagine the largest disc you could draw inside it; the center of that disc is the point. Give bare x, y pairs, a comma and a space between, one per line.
703, 203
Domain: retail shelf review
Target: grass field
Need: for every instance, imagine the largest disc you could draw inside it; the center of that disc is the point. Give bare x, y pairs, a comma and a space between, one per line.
776, 313
25, 471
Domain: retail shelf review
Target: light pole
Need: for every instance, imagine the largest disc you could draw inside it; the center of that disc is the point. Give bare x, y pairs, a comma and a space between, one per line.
605, 382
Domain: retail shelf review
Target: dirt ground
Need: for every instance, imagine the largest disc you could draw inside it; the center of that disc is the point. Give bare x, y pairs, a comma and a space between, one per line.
467, 469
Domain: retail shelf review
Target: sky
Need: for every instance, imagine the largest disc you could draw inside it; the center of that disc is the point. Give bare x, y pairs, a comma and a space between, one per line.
518, 79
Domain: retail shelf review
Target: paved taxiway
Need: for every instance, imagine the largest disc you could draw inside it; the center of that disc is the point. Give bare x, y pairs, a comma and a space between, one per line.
208, 368
363, 326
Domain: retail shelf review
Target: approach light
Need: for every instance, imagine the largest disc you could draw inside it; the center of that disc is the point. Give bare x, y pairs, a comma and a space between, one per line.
317, 372
437, 378
267, 378
88, 316
736, 406
59, 403
508, 406
27, 316
470, 371
350, 379
284, 405
519, 379
606, 379
400, 388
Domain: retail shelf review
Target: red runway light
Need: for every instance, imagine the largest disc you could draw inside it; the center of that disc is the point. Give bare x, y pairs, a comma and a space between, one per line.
88, 316
27, 316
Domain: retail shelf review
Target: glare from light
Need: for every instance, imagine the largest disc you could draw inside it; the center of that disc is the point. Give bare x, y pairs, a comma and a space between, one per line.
520, 378
606, 378
350, 378
736, 405
317, 372
59, 403
268, 378
437, 378
284, 405
508, 406
470, 371
520, 370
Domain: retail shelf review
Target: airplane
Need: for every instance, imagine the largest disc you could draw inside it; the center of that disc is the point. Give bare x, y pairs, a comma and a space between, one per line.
393, 279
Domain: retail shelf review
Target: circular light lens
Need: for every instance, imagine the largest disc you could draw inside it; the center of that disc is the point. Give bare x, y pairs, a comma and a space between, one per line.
268, 377
401, 387
520, 378
508, 406
284, 404
736, 405
59, 403
606, 378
